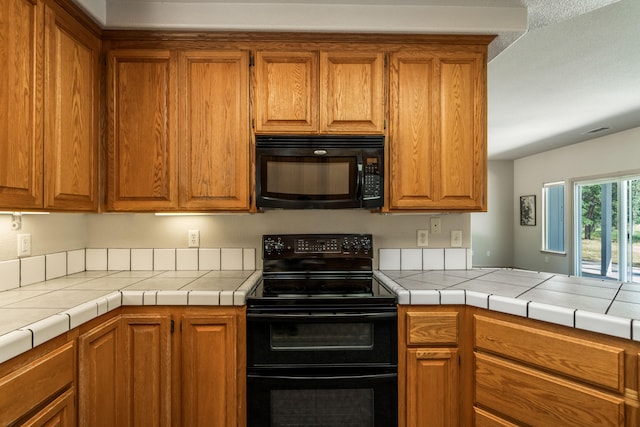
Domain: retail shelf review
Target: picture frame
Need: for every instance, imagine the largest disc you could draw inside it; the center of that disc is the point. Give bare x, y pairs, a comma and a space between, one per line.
528, 210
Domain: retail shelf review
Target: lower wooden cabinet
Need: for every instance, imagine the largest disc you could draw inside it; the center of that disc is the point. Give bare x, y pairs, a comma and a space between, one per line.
163, 366
59, 413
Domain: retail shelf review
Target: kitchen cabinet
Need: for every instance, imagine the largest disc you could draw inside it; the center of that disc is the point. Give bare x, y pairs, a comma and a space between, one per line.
38, 388
319, 92
170, 104
142, 130
49, 109
21, 86
163, 366
214, 130
521, 371
428, 367
437, 131
71, 124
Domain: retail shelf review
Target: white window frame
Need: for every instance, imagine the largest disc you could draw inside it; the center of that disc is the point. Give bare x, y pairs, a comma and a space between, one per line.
545, 217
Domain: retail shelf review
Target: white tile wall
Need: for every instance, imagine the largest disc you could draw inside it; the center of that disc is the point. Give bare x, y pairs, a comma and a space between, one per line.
56, 265
389, 259
75, 261
119, 259
209, 259
231, 259
410, 259
186, 259
32, 270
96, 259
142, 259
455, 259
164, 259
9, 274
249, 259
433, 259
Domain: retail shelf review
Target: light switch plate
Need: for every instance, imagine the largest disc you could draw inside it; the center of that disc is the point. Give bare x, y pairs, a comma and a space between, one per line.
436, 227
422, 238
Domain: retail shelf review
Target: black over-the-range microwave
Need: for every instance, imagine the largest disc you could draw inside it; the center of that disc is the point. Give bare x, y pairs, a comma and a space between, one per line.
319, 172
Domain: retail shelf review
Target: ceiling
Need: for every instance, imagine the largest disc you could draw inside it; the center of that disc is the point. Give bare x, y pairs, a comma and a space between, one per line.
558, 70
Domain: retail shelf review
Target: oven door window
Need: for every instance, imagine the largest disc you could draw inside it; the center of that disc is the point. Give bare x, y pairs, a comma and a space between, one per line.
317, 400
322, 336
309, 178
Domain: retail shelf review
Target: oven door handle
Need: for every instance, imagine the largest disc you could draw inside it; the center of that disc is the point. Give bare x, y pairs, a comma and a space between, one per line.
307, 377
307, 315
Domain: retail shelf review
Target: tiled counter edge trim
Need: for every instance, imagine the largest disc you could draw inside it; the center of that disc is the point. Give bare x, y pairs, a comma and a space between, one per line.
25, 338
579, 319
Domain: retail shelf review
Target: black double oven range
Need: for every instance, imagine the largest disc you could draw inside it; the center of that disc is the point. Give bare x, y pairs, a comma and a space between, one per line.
321, 336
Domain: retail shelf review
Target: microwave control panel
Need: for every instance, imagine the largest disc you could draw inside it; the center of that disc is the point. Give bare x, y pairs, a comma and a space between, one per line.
372, 179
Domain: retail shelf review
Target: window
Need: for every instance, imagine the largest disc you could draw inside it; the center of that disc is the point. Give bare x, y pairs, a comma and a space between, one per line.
607, 228
553, 217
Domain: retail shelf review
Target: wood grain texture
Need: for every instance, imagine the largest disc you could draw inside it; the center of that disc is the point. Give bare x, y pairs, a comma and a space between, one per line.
32, 385
59, 413
486, 419
581, 359
535, 398
214, 130
71, 122
142, 130
424, 328
21, 68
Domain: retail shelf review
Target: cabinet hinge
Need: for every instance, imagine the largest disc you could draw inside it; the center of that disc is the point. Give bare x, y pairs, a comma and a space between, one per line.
172, 325
251, 61
253, 123
385, 124
459, 361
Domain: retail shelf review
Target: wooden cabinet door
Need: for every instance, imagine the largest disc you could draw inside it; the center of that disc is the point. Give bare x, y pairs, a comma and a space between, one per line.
21, 40
71, 114
432, 388
59, 413
351, 92
100, 385
214, 130
437, 132
142, 167
286, 92
210, 372
146, 367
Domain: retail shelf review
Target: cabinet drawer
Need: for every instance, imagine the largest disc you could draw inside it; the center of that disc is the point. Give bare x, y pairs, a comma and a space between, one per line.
485, 419
539, 399
581, 359
432, 328
32, 385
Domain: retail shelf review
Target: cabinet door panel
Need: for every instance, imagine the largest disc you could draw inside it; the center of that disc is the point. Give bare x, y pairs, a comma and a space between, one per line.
21, 40
461, 150
59, 413
214, 143
286, 96
432, 387
141, 139
147, 370
352, 95
71, 122
412, 130
99, 369
209, 371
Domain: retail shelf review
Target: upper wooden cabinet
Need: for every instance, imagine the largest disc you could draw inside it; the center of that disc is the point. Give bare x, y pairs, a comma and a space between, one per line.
142, 130
437, 144
49, 109
166, 104
214, 130
319, 92
21, 47
71, 121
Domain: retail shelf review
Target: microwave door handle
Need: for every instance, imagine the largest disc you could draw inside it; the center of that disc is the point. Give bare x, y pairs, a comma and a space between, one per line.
359, 180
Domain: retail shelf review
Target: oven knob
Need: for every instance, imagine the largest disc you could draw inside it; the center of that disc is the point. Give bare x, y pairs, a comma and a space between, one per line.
269, 245
278, 247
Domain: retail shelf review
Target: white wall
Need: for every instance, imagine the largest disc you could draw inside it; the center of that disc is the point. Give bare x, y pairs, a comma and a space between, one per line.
492, 231
58, 232
606, 156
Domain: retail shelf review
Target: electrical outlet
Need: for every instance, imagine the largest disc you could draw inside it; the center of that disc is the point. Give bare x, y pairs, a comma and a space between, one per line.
24, 245
456, 238
423, 238
435, 226
194, 238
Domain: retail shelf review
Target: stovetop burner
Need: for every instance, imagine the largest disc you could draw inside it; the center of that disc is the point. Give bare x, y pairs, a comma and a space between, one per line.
319, 269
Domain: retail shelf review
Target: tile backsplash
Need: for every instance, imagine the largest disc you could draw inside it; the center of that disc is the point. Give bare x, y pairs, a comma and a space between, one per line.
425, 259
26, 271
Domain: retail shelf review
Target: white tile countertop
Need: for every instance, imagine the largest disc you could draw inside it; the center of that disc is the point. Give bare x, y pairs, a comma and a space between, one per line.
33, 314
603, 306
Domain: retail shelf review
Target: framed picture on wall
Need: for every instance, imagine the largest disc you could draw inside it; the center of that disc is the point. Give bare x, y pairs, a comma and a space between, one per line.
528, 210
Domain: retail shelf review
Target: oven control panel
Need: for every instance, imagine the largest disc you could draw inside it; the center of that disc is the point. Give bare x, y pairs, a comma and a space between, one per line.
317, 245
